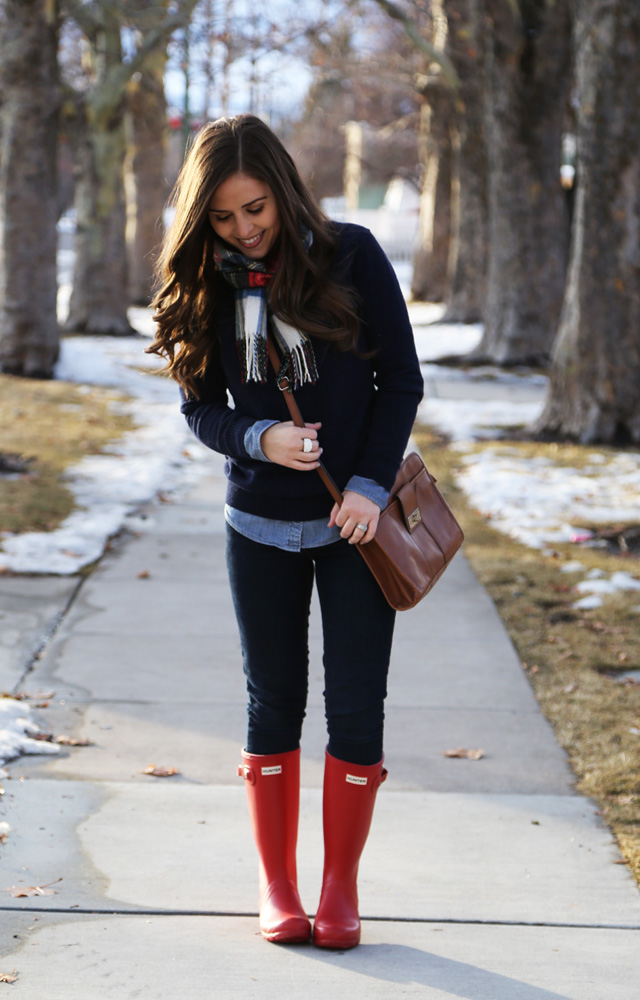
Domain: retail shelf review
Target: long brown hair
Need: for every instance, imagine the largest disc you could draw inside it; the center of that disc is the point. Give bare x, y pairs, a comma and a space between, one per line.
301, 291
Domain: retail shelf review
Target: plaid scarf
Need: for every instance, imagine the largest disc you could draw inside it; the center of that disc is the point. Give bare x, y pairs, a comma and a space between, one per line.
250, 278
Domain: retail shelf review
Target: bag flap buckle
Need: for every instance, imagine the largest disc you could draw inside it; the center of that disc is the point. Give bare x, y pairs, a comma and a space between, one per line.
414, 518
408, 497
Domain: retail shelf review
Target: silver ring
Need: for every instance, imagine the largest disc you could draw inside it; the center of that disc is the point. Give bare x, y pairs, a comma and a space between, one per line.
363, 527
307, 444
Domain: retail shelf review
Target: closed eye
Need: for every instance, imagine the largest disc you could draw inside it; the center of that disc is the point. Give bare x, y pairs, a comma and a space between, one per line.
220, 218
255, 211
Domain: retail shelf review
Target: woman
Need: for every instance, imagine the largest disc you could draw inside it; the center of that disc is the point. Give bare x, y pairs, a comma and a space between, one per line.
249, 251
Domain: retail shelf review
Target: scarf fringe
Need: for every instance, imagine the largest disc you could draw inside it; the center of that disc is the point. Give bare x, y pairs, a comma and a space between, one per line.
250, 279
299, 363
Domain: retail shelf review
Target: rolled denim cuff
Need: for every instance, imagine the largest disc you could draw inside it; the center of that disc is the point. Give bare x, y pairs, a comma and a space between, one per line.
252, 439
370, 489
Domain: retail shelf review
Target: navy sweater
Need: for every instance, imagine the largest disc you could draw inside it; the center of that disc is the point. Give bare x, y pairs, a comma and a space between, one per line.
367, 406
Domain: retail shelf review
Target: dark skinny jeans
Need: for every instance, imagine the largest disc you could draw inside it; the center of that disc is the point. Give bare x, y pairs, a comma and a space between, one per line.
271, 591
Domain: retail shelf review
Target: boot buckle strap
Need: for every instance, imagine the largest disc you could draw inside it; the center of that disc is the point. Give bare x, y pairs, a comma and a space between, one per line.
246, 772
379, 779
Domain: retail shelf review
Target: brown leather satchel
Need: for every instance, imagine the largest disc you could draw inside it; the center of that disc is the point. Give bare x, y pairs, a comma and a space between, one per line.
417, 534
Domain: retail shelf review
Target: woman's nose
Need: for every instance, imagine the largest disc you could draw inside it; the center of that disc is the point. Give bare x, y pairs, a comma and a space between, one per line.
244, 226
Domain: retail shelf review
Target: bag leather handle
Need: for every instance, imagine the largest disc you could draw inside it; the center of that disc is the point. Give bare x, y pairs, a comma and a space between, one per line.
297, 418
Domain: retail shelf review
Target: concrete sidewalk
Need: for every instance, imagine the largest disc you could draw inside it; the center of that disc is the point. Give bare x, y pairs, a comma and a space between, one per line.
484, 880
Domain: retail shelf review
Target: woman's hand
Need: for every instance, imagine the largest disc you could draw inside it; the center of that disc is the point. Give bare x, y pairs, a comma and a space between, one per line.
355, 512
283, 444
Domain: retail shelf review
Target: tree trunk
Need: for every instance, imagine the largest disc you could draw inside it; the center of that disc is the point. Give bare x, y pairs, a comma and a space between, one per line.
468, 248
430, 262
29, 334
528, 72
99, 296
596, 359
146, 186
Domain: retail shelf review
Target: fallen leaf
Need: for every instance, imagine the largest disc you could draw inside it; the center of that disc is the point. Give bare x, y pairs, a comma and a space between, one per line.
17, 891
475, 754
160, 772
144, 574
8, 977
4, 832
73, 741
43, 737
568, 653
621, 861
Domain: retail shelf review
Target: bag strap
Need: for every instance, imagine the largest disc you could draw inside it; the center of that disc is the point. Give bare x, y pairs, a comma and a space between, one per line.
297, 418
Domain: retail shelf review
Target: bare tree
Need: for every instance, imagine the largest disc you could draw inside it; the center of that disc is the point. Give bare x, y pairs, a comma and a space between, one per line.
528, 71
99, 296
596, 358
431, 258
145, 176
28, 120
364, 77
467, 270
146, 186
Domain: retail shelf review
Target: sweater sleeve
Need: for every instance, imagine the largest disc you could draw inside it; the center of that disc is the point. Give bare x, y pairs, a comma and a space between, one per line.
396, 370
216, 424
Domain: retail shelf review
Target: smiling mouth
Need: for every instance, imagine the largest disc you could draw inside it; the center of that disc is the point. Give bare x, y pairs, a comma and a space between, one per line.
253, 242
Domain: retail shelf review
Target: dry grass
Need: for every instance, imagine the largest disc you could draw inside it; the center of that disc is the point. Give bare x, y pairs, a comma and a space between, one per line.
573, 658
54, 424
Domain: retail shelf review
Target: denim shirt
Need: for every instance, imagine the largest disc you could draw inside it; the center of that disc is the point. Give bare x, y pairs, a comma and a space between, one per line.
293, 535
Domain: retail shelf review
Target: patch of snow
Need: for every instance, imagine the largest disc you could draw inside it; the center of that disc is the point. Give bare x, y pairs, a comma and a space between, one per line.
596, 587
588, 603
472, 419
438, 340
630, 675
573, 566
161, 454
624, 581
17, 729
536, 502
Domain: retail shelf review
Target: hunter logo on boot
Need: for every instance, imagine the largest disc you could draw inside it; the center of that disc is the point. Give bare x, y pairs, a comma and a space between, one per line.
276, 769
354, 779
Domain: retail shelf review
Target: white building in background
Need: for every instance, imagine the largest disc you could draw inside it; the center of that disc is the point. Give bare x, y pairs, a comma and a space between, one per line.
394, 224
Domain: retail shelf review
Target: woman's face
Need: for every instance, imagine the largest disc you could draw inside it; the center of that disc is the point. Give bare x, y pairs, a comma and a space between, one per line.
243, 212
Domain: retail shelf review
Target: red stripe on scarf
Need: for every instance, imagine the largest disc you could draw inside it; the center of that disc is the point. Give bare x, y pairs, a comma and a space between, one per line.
257, 279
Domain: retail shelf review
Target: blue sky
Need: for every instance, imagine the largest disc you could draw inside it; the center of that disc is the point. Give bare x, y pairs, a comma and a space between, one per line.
282, 79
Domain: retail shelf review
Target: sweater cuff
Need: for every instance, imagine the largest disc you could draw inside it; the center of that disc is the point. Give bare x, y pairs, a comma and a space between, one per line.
370, 489
252, 439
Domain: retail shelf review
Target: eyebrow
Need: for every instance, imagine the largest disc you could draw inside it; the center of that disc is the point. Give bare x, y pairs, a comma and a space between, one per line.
225, 211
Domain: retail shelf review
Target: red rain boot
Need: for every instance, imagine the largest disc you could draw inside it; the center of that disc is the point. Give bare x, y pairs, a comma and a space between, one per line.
348, 801
273, 793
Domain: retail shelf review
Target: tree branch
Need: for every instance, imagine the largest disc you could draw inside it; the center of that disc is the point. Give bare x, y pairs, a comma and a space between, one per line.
84, 16
414, 34
109, 93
